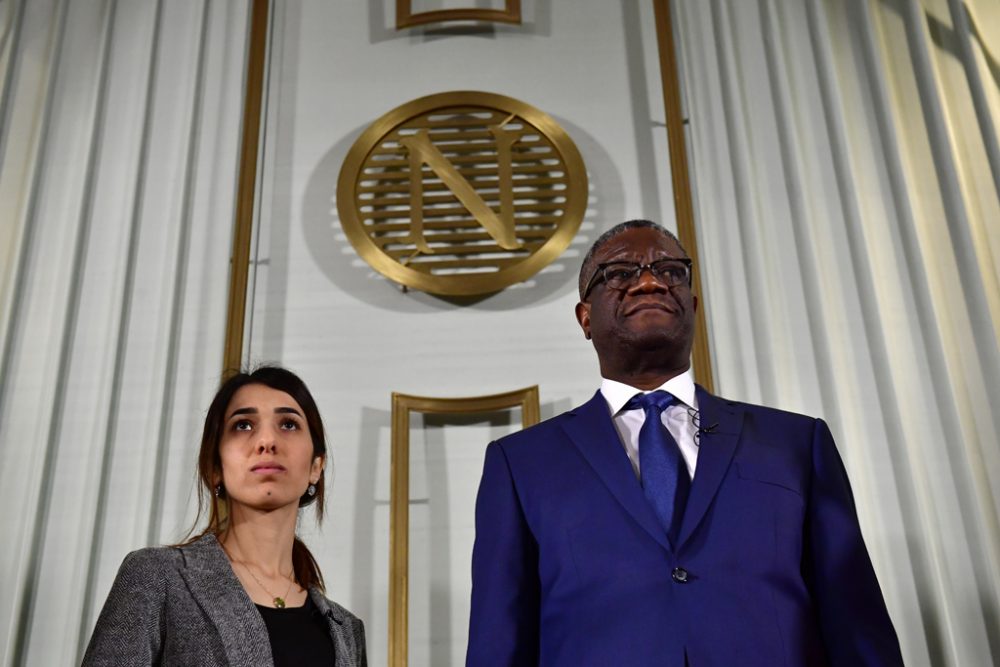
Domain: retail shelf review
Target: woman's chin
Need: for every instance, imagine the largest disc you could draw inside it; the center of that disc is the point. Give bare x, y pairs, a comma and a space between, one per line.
267, 501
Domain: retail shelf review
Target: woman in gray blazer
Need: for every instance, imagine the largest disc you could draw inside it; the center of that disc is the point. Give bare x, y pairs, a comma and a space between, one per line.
245, 590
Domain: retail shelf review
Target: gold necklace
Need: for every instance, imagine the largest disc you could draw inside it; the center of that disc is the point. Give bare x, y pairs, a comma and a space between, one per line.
279, 602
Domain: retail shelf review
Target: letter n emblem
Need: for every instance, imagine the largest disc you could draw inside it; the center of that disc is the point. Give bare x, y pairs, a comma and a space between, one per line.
461, 193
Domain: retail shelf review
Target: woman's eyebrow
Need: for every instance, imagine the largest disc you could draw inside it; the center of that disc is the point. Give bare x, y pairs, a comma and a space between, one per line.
243, 411
291, 411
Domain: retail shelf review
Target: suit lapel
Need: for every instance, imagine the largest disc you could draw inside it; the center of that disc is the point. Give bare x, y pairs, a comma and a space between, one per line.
218, 592
344, 655
590, 428
715, 453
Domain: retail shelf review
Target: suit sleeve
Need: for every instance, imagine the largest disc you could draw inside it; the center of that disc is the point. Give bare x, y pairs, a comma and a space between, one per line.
129, 630
360, 642
503, 627
853, 618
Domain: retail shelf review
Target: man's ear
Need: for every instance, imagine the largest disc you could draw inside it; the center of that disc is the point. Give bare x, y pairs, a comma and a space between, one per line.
695, 300
583, 317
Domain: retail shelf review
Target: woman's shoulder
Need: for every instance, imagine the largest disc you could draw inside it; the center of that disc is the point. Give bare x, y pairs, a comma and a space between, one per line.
146, 569
154, 555
151, 558
167, 558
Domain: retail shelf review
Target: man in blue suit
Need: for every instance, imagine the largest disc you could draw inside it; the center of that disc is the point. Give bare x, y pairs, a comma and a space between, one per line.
658, 524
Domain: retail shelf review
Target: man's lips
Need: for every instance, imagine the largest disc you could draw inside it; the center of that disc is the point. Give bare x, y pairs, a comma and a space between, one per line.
649, 305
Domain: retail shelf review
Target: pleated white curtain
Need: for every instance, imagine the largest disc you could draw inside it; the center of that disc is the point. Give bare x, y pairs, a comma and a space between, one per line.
847, 174
119, 134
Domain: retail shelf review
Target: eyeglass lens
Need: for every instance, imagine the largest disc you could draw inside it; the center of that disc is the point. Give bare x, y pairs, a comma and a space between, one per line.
620, 275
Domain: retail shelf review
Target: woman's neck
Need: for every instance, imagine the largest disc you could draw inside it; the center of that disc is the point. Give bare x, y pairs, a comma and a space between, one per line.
261, 539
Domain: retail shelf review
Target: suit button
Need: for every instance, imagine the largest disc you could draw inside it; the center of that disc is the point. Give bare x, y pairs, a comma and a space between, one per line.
680, 575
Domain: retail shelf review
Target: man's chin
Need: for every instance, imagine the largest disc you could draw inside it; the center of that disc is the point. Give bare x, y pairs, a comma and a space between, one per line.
651, 339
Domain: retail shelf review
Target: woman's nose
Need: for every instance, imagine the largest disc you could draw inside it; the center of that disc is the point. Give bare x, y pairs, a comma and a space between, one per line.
266, 441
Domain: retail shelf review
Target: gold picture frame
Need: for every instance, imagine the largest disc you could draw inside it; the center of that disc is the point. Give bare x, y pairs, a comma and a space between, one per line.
407, 18
399, 493
369, 220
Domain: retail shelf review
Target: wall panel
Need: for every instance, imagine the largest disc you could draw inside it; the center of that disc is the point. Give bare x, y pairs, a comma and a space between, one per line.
858, 136
114, 305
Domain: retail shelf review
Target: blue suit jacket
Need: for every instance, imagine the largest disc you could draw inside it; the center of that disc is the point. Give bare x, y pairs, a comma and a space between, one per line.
570, 566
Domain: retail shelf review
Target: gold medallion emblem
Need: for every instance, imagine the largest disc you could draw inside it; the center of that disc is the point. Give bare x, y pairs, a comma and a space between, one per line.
462, 193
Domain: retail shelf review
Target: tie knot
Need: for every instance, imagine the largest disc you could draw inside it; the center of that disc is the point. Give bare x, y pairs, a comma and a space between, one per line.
657, 400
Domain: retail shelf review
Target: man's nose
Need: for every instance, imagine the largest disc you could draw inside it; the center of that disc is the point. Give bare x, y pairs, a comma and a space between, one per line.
647, 282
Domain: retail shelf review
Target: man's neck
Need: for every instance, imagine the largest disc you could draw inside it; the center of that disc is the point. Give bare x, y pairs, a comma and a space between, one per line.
645, 379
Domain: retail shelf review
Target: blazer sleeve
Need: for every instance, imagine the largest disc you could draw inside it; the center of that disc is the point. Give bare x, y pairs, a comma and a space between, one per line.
854, 621
359, 641
503, 626
130, 629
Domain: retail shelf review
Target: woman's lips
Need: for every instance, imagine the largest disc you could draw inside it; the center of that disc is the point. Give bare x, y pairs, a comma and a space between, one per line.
267, 468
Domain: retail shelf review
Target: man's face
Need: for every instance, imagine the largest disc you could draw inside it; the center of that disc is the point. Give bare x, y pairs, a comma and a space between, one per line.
646, 314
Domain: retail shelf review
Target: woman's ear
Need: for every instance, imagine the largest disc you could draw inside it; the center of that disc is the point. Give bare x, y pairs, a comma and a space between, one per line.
316, 472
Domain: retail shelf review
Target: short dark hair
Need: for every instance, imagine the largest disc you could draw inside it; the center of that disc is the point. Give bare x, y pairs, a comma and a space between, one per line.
588, 266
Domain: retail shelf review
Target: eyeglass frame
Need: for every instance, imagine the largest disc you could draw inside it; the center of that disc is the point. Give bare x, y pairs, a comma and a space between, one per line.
639, 268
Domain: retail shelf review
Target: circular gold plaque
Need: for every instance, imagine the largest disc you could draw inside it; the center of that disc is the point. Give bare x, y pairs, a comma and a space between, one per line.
462, 193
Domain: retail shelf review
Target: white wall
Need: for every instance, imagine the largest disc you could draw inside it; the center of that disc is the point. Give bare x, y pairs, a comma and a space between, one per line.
356, 337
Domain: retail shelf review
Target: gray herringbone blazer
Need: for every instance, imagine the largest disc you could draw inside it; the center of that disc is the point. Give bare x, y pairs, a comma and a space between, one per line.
185, 606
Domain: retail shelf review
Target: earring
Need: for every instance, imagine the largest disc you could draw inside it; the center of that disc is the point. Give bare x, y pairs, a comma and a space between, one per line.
311, 491
218, 490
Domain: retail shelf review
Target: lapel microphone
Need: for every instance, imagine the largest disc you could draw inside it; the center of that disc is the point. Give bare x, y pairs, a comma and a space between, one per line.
709, 429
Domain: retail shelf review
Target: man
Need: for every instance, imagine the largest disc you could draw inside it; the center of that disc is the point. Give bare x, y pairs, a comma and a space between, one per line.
658, 524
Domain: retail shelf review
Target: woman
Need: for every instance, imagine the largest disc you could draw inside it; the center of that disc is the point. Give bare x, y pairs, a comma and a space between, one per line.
246, 590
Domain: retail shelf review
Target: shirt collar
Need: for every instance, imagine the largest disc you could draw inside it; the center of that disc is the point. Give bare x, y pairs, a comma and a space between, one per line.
617, 394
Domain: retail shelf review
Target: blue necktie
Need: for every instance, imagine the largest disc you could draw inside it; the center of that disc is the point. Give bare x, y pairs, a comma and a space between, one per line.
664, 475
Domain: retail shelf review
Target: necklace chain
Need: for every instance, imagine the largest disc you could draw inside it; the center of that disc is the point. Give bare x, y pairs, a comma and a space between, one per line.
278, 601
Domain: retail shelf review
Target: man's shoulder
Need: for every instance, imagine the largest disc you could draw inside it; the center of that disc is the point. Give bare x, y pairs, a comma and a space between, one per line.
766, 411
540, 431
761, 418
549, 429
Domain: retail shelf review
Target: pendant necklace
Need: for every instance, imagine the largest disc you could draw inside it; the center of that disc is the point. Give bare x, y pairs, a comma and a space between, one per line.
277, 601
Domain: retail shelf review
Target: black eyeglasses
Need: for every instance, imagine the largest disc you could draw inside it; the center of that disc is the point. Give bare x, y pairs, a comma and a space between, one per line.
673, 272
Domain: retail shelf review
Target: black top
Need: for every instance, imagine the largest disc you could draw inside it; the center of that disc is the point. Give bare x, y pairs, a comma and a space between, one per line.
299, 635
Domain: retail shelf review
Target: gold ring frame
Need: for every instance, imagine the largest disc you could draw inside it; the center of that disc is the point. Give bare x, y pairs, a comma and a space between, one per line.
399, 494
407, 18
506, 191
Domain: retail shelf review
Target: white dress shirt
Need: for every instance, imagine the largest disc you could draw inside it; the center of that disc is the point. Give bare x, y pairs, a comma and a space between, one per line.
678, 418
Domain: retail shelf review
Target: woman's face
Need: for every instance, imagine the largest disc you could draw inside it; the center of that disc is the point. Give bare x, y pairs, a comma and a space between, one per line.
266, 449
